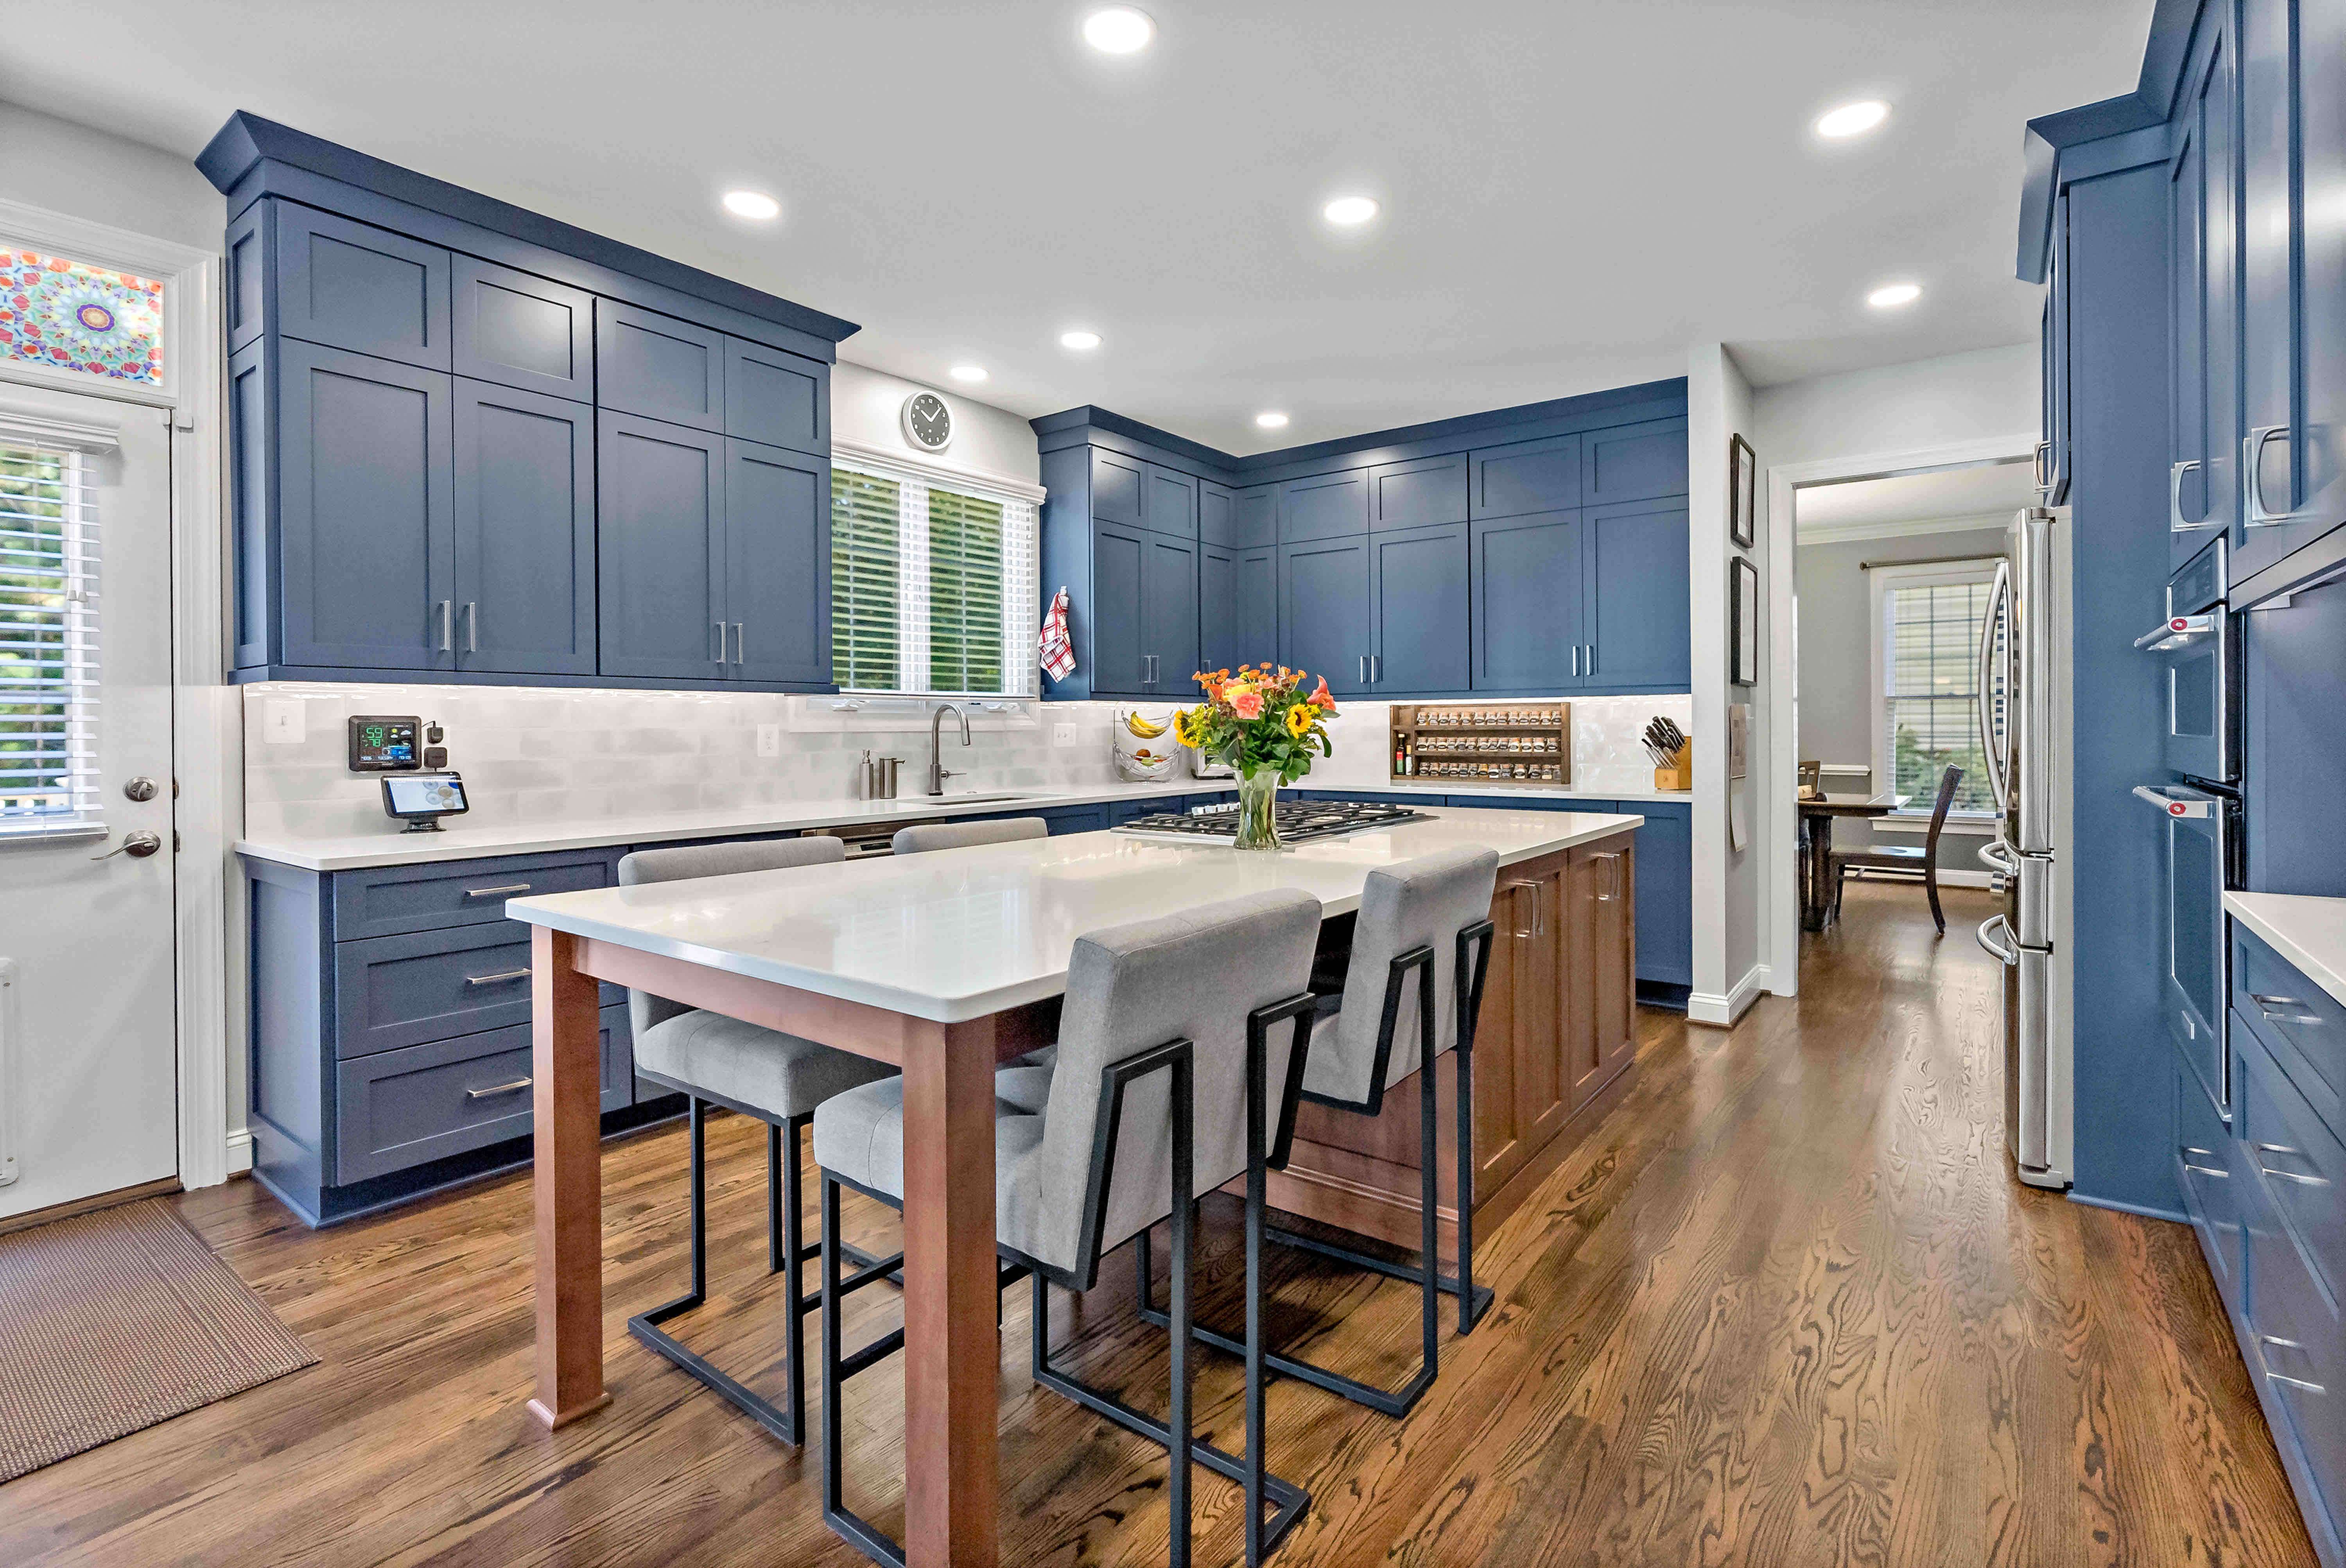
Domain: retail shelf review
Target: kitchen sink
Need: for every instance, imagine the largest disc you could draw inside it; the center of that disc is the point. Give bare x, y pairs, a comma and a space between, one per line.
964, 799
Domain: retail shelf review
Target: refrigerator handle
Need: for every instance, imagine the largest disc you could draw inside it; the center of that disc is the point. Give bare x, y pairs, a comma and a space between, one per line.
1999, 856
2007, 956
1998, 598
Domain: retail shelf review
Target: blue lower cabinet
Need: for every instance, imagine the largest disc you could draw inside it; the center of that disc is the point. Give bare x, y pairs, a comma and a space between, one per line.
1120, 813
1076, 820
2211, 1170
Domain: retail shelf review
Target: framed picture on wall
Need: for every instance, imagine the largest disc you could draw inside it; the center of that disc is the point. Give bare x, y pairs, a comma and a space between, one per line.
1743, 622
1742, 491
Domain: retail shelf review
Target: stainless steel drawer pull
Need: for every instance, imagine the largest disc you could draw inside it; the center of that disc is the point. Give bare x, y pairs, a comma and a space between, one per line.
494, 892
2292, 1176
2265, 1004
2192, 1155
515, 1087
2293, 1382
2206, 1170
497, 978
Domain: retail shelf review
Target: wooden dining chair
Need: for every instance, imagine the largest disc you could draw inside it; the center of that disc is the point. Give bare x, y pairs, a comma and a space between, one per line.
1811, 779
1905, 857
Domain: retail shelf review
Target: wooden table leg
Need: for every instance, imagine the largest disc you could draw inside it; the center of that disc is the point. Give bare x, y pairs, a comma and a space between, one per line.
1820, 889
951, 1344
565, 1061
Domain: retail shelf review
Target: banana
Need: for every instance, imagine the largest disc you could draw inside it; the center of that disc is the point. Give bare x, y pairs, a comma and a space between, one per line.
1142, 728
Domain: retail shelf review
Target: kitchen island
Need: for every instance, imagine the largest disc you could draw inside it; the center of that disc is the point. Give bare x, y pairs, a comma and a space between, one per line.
944, 964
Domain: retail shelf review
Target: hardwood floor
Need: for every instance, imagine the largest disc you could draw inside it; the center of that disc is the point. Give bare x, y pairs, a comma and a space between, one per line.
1785, 1306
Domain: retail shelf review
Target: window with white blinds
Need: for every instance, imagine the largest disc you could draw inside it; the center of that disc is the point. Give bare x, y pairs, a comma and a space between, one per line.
931, 589
48, 640
1927, 627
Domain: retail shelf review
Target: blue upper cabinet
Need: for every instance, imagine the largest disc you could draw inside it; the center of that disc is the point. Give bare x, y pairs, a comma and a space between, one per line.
777, 399
1527, 624
1238, 606
365, 502
1118, 486
1216, 521
521, 331
1418, 493
1324, 506
244, 282
1325, 611
1634, 577
660, 367
661, 549
2321, 141
1169, 502
353, 286
1524, 476
1634, 462
1254, 516
1169, 615
1417, 591
777, 565
2271, 227
1119, 661
525, 511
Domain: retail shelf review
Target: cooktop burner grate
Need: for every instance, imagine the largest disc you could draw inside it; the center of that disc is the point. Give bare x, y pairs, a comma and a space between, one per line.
1297, 819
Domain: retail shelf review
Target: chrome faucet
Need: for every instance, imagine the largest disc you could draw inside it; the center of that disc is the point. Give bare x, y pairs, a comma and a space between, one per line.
938, 772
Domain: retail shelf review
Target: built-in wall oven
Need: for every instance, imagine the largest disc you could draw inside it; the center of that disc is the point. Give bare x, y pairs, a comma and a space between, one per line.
2199, 857
2201, 642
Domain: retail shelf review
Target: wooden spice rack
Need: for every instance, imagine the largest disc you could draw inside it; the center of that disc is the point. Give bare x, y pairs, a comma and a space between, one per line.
1488, 745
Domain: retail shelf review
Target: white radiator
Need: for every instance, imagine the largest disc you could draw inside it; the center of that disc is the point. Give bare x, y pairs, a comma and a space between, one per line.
11, 1035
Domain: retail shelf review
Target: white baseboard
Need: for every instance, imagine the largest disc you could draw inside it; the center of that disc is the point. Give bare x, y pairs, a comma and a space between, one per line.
1721, 1012
240, 1152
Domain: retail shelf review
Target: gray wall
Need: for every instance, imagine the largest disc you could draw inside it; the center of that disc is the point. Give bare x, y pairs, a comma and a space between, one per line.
1836, 671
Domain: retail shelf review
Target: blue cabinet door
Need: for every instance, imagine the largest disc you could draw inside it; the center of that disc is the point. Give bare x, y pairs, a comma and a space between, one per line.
2219, 229
1216, 519
1324, 506
1524, 476
1418, 493
1324, 611
524, 531
522, 331
656, 366
1218, 641
2187, 363
1633, 582
1526, 628
1634, 462
365, 504
777, 564
244, 269
2321, 110
1168, 502
1118, 638
661, 556
1119, 484
2273, 215
1254, 516
1061, 819
1168, 617
353, 286
1665, 891
1417, 589
777, 399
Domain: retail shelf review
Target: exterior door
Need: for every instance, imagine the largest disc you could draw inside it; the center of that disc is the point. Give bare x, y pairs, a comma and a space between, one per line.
89, 1049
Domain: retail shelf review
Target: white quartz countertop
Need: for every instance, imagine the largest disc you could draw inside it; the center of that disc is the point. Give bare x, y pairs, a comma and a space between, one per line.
392, 847
2310, 933
955, 934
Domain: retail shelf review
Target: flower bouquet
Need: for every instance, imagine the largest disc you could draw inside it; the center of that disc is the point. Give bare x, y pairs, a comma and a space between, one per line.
1261, 722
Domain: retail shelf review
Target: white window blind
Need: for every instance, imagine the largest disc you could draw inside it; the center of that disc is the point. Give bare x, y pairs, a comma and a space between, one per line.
1927, 672
933, 586
48, 640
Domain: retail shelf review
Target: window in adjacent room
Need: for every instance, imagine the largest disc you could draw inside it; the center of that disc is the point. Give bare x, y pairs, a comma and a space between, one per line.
1927, 621
932, 586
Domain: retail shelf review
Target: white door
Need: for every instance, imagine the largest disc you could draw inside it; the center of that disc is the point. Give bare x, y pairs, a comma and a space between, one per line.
88, 1054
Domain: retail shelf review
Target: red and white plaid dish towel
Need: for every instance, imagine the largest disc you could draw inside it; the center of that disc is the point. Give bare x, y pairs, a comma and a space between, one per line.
1058, 653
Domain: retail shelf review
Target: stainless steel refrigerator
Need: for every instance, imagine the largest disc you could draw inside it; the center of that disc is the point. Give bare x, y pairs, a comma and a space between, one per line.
2024, 717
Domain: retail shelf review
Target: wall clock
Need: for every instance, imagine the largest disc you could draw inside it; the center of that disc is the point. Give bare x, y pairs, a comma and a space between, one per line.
928, 422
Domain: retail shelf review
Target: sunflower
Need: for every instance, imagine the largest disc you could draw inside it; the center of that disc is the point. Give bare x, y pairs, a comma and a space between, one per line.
1299, 719
1187, 728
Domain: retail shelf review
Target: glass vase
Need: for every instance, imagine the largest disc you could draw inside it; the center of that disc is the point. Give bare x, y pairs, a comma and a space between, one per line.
1259, 812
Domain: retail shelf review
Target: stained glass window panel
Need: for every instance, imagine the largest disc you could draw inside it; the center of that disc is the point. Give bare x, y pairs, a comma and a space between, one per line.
67, 315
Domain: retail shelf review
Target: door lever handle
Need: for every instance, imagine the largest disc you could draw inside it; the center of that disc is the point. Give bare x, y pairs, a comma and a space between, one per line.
137, 846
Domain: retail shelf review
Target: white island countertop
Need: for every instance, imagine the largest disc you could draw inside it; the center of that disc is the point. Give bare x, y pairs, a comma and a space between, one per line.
2310, 933
955, 934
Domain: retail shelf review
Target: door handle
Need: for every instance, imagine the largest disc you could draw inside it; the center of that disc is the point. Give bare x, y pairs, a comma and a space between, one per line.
740, 643
514, 1087
497, 979
2252, 478
137, 846
447, 626
720, 640
472, 626
2175, 523
1990, 752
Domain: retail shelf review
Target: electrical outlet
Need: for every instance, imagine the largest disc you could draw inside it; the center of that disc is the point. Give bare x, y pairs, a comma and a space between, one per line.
1063, 735
283, 722
769, 740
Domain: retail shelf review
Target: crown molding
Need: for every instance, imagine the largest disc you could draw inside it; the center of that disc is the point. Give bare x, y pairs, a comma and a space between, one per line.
1905, 528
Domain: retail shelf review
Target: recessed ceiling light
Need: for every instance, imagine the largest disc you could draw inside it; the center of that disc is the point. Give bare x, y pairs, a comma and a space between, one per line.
1080, 341
754, 204
1272, 419
967, 373
1853, 119
1349, 210
1889, 296
1118, 30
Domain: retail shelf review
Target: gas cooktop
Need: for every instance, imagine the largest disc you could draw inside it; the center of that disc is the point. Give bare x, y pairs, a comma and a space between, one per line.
1297, 819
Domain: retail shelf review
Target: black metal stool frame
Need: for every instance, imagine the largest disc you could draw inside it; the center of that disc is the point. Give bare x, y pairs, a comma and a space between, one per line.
1473, 1300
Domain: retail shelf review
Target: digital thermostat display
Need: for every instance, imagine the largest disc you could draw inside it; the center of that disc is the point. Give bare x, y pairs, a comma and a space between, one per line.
384, 745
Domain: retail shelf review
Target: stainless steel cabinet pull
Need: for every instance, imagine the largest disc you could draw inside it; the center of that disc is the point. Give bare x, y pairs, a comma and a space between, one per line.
740, 643
1376, 668
471, 626
2175, 523
447, 612
1364, 669
720, 640
2043, 476
493, 892
2293, 1382
1592, 658
2207, 1170
1535, 888
2252, 478
2261, 1000
1575, 660
2293, 1177
514, 1087
2266, 1005
2191, 1164
497, 978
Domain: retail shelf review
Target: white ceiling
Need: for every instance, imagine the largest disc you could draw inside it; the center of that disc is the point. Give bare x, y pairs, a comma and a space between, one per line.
1574, 191
1985, 496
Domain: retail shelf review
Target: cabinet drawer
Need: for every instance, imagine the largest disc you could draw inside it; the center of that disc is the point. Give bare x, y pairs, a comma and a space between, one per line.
2304, 1026
2299, 1166
387, 901
2299, 1350
2209, 1168
394, 991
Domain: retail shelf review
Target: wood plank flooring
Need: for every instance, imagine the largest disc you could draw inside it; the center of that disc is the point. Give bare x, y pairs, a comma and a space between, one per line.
1786, 1306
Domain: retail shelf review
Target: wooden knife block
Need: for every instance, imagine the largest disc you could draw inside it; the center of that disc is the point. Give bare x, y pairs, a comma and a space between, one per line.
1679, 774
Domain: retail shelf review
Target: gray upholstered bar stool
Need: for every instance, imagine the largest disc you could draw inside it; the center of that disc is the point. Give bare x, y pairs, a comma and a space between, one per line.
1169, 1059
1028, 1090
1423, 926
777, 1078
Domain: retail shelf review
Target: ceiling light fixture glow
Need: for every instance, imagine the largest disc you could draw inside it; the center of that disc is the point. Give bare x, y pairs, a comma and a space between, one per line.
754, 204
1118, 30
1889, 296
1349, 211
1081, 342
967, 373
1852, 120
1272, 419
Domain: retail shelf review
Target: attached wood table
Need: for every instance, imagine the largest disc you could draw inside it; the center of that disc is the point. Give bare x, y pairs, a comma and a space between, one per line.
1817, 815
943, 964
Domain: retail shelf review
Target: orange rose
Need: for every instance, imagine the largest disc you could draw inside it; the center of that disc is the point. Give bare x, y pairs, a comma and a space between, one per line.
1247, 703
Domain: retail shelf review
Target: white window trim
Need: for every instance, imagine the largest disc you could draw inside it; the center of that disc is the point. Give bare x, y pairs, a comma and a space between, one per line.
1880, 581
